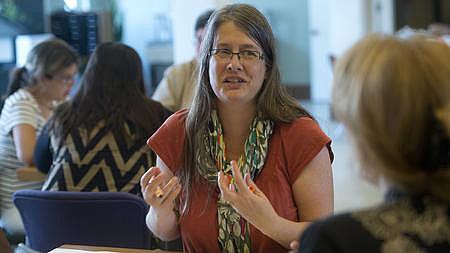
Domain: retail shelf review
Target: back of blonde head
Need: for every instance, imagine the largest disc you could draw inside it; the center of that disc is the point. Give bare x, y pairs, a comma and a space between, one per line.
393, 96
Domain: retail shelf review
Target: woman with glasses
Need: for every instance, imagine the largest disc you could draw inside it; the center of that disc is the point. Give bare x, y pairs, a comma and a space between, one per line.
245, 169
33, 90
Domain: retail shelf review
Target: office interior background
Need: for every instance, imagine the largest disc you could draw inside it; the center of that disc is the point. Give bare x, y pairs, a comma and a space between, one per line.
309, 33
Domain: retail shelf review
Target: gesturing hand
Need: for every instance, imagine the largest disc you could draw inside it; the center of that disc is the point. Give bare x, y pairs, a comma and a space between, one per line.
156, 192
247, 199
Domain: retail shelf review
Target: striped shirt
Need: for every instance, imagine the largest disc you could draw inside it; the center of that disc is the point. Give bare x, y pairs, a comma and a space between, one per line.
19, 108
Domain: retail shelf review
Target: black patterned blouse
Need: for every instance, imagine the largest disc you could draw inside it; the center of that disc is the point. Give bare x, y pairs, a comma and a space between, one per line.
402, 224
92, 162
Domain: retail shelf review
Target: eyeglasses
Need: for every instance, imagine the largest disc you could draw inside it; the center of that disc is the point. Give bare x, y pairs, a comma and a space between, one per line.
65, 79
225, 55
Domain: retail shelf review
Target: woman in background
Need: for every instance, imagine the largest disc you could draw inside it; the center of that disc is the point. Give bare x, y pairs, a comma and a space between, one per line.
252, 166
33, 90
393, 97
96, 140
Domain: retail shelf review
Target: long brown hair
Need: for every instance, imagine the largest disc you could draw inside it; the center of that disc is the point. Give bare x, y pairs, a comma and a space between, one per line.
112, 91
273, 102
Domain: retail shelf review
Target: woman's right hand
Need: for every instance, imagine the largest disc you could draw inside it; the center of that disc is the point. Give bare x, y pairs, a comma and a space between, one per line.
158, 190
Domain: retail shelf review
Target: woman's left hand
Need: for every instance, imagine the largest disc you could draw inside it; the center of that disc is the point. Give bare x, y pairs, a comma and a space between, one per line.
247, 199
30, 174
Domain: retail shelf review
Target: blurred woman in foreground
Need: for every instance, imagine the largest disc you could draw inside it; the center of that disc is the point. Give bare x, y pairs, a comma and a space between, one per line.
393, 97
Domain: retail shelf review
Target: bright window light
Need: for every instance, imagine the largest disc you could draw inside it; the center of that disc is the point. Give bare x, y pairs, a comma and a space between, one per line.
71, 4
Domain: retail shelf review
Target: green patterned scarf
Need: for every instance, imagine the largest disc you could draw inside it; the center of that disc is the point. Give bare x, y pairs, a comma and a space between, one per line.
234, 232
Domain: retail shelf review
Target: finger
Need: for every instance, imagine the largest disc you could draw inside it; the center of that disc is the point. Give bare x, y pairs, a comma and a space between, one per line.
172, 194
294, 245
251, 186
153, 192
232, 187
155, 183
149, 191
237, 175
149, 174
160, 192
148, 196
172, 182
229, 182
151, 184
249, 183
223, 182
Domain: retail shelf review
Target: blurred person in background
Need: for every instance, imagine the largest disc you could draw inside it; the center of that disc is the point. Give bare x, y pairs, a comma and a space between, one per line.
96, 140
176, 89
33, 91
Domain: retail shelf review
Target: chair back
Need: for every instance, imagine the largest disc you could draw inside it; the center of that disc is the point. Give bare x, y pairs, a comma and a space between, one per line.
114, 219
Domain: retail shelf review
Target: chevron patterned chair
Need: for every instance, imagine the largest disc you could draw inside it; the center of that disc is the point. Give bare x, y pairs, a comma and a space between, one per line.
114, 219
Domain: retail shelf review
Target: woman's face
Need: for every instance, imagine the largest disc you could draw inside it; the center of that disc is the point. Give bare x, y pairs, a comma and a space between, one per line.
60, 84
235, 80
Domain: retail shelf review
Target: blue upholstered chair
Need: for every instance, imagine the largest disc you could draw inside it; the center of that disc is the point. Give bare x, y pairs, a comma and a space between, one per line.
113, 219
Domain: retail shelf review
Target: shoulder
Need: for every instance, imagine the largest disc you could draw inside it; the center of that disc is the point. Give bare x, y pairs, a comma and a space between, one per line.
326, 229
182, 68
303, 136
189, 65
331, 224
395, 226
340, 233
302, 126
177, 119
20, 108
409, 214
20, 97
168, 141
299, 143
172, 128
21, 103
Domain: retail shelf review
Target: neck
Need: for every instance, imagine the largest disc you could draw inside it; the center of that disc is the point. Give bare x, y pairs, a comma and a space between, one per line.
41, 98
236, 121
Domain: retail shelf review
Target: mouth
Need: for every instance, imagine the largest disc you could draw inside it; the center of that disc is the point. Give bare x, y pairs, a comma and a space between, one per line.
234, 80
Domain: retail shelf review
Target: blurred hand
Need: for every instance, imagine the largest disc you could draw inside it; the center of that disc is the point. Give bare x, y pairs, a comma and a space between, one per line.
294, 245
159, 191
247, 199
30, 174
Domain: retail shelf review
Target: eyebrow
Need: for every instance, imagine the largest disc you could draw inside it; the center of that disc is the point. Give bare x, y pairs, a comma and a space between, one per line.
243, 46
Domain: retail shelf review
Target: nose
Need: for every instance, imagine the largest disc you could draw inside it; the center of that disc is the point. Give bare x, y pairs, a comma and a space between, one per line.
234, 64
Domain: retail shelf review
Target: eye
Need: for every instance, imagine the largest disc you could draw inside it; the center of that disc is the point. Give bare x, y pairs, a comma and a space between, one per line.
223, 53
250, 54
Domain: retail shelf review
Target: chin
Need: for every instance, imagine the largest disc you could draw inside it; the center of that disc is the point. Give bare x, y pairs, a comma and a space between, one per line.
234, 100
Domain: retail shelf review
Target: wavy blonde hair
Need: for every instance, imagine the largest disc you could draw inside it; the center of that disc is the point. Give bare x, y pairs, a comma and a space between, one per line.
393, 96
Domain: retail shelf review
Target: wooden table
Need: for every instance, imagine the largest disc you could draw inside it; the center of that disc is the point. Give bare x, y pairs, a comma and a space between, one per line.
72, 248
